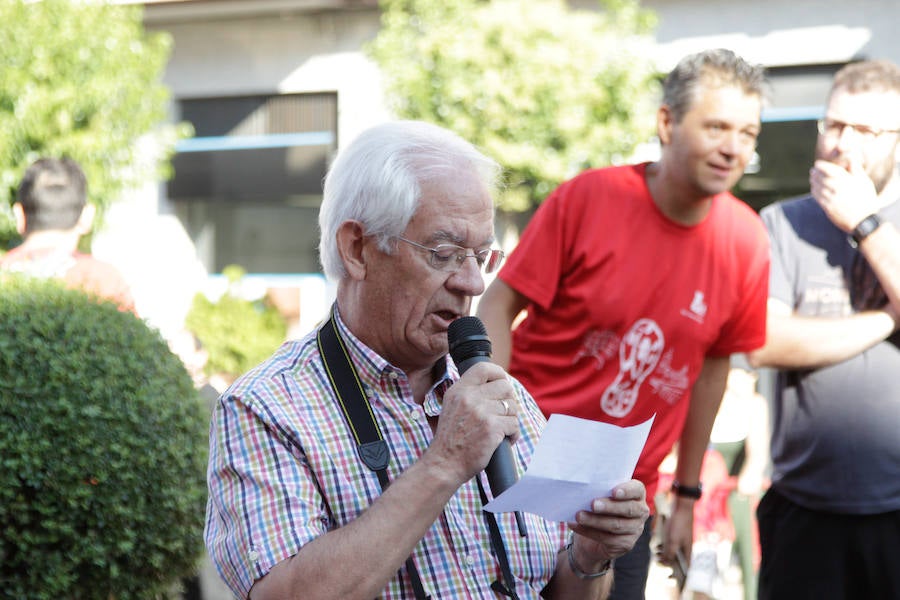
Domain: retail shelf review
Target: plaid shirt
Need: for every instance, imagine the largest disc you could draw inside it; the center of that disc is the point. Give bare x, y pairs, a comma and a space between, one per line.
284, 470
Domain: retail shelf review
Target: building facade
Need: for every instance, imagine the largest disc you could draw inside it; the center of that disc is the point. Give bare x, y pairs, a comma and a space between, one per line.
274, 87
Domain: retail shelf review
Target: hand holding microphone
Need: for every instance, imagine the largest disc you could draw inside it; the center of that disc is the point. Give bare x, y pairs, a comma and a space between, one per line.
470, 345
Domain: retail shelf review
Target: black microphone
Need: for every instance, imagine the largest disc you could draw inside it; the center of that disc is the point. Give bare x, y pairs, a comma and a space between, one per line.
469, 344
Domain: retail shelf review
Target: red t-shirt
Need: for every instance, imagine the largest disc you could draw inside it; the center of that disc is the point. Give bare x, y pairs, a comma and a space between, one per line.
626, 304
79, 271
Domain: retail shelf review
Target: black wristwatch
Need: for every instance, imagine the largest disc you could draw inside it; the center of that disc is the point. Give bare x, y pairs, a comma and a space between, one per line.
864, 229
687, 491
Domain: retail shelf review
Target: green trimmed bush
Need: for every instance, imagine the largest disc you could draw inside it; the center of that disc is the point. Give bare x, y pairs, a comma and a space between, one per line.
103, 445
237, 333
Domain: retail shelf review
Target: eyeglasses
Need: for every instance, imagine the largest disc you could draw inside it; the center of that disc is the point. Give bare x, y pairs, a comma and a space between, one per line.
450, 257
833, 128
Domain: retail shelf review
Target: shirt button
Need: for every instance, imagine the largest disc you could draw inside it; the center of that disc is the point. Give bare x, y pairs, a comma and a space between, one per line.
470, 560
415, 415
254, 555
393, 375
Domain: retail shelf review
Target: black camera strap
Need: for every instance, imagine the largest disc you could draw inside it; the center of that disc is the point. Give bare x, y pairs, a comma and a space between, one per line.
373, 449
507, 587
370, 444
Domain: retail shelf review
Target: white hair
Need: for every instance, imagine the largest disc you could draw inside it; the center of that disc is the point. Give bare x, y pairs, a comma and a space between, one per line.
377, 180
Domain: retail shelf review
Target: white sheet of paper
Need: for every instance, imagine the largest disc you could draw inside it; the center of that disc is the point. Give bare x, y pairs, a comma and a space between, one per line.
575, 461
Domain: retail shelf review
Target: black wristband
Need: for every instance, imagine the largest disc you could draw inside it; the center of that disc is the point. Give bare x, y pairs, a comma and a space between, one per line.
864, 229
686, 491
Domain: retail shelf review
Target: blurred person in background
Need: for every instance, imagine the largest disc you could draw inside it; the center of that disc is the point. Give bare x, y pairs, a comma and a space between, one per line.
640, 281
734, 476
52, 214
830, 522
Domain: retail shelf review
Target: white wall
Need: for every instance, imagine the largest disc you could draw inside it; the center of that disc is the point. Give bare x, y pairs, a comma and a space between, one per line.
229, 55
288, 54
775, 32
779, 32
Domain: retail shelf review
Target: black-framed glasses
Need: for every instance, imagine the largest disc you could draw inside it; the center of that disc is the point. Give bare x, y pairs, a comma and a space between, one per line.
833, 128
450, 257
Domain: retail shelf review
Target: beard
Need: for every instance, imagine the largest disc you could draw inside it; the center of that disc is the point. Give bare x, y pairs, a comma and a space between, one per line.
880, 170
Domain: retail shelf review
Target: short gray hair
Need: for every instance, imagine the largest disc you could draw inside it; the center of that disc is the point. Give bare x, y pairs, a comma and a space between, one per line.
377, 180
718, 67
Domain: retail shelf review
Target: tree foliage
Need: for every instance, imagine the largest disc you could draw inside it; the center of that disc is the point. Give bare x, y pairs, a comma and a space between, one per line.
545, 90
81, 79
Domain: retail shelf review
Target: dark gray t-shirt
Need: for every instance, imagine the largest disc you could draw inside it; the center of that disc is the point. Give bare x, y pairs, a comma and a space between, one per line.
836, 430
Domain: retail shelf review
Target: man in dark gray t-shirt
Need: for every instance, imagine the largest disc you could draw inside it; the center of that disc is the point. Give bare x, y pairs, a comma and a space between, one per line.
830, 524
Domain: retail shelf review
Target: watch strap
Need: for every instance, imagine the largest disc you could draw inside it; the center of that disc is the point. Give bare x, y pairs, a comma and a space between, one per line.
865, 228
687, 491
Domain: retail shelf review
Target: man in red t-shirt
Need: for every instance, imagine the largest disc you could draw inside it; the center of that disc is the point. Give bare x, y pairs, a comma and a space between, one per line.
52, 213
640, 281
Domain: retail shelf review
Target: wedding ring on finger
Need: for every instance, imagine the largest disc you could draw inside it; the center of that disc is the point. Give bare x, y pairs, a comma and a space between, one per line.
505, 407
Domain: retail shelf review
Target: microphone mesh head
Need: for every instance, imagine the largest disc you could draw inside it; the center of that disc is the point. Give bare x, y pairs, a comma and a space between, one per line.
467, 337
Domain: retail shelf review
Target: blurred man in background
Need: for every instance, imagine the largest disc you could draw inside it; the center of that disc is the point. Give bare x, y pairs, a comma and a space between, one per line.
830, 523
52, 214
640, 281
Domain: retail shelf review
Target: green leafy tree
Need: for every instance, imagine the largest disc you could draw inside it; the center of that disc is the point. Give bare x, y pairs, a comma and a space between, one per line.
81, 79
545, 90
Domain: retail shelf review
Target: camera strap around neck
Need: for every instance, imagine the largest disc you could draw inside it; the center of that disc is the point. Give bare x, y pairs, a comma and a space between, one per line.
371, 446
373, 449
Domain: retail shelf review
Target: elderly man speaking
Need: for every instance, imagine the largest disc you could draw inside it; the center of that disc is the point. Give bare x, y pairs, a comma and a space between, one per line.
295, 512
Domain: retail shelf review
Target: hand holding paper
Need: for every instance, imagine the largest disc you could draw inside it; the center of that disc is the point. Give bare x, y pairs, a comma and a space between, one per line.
576, 461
